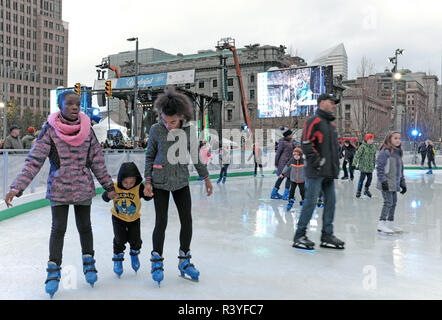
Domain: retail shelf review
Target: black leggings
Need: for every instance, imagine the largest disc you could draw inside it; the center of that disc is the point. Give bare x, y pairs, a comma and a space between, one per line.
59, 225
293, 188
183, 203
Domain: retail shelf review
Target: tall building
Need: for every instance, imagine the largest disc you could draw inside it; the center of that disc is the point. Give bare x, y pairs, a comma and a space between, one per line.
336, 57
33, 52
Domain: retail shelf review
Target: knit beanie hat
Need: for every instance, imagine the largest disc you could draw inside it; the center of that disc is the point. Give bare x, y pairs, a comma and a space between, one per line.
369, 136
31, 130
298, 150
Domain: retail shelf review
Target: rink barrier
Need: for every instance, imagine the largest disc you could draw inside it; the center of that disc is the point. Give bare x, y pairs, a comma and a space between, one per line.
38, 204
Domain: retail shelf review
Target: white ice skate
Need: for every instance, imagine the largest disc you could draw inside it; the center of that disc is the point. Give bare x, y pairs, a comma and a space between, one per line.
383, 227
392, 226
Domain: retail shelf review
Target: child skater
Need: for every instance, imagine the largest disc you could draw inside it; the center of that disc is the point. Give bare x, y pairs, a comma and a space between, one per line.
224, 156
296, 172
165, 175
73, 151
390, 173
126, 215
365, 161
257, 156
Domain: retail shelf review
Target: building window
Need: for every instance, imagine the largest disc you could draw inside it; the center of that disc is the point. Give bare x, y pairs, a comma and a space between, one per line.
347, 107
215, 95
230, 82
215, 83
252, 78
252, 94
229, 115
201, 85
230, 96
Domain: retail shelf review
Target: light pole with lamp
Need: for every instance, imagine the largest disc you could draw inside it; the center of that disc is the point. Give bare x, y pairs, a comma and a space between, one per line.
397, 76
134, 122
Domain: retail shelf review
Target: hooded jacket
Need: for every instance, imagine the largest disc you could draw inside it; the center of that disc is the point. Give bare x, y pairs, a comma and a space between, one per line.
320, 146
127, 203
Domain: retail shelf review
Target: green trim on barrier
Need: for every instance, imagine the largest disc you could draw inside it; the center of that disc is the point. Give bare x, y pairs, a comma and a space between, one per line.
38, 204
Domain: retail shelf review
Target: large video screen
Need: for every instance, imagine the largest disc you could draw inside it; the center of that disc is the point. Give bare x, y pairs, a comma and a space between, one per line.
292, 92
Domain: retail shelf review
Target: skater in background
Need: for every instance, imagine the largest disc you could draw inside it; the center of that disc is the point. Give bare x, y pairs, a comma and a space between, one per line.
166, 176
257, 158
282, 157
391, 180
27, 139
347, 152
206, 156
321, 149
296, 173
422, 149
224, 156
73, 151
431, 155
126, 215
365, 162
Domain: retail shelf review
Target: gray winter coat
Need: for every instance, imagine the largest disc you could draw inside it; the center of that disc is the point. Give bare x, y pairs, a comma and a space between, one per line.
13, 143
295, 170
167, 162
390, 168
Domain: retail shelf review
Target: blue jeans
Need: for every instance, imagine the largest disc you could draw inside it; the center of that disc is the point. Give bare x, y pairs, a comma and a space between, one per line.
390, 200
369, 176
313, 189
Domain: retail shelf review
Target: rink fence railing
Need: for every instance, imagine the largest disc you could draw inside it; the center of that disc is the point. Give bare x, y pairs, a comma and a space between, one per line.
12, 162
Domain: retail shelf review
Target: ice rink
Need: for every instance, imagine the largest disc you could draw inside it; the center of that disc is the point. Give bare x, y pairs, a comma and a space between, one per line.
242, 247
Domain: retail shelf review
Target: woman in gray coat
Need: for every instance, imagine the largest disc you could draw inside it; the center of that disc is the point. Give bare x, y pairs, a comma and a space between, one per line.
167, 172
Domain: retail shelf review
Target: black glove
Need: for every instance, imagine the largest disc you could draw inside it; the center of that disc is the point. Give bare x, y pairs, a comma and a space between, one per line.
385, 186
403, 190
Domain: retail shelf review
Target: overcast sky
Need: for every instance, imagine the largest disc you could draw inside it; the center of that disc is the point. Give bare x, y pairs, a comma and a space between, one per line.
371, 28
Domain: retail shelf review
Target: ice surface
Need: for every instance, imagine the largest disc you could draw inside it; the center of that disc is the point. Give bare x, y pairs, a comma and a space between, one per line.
242, 247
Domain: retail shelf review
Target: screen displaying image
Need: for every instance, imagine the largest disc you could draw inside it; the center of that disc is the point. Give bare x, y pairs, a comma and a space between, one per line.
292, 92
86, 100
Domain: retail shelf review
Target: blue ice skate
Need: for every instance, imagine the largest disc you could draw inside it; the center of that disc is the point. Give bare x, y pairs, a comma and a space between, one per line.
290, 204
429, 172
53, 278
224, 180
134, 259
186, 267
89, 270
219, 180
275, 195
286, 194
157, 267
118, 263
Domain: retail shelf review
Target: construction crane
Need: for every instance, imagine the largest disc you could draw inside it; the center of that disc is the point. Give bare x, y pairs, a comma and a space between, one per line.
229, 44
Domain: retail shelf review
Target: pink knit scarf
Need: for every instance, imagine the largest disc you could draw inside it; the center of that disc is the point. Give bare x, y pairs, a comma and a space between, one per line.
73, 135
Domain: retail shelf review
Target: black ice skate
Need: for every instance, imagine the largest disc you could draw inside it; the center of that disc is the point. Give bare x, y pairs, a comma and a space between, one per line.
303, 243
367, 193
358, 194
330, 241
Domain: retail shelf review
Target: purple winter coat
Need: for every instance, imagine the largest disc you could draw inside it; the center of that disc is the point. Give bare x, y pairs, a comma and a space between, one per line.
284, 153
70, 179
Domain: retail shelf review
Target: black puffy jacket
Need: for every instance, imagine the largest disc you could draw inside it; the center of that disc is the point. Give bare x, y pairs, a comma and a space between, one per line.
320, 146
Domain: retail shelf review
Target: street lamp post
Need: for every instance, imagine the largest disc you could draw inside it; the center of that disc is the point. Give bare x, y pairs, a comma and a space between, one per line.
134, 118
396, 77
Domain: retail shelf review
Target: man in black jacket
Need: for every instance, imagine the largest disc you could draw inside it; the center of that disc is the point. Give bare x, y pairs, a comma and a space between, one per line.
320, 146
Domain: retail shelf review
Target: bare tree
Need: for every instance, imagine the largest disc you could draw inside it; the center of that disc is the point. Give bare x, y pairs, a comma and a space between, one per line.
365, 92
